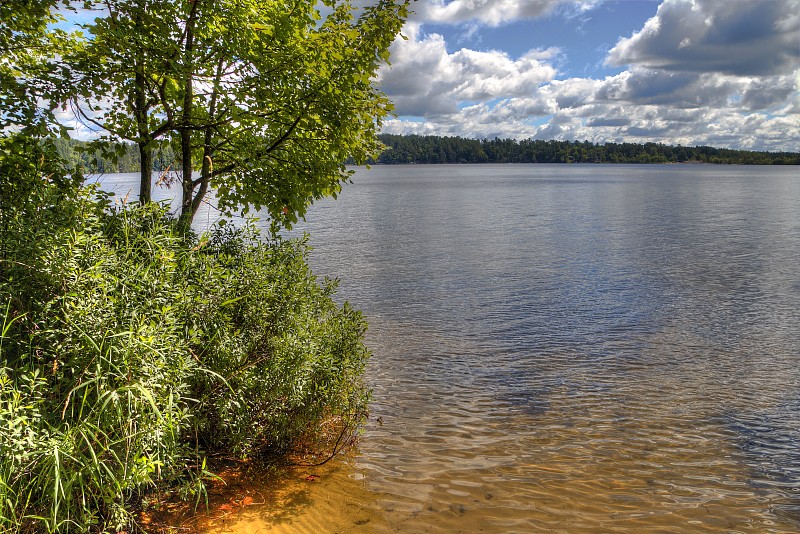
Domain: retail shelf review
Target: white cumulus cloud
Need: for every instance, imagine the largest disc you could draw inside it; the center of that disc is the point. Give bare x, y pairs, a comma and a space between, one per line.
425, 79
700, 72
490, 12
739, 37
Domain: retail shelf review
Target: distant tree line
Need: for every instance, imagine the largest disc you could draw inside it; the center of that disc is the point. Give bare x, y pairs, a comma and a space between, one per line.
105, 158
434, 149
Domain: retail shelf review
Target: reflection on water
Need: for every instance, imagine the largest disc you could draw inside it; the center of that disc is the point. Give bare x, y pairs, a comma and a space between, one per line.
564, 348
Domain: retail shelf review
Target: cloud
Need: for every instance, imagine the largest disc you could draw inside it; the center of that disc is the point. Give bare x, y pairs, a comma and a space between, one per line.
686, 90
691, 78
490, 12
425, 79
577, 108
608, 121
770, 92
738, 37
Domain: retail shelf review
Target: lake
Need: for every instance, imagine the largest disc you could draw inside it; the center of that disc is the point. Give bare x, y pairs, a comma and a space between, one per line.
564, 348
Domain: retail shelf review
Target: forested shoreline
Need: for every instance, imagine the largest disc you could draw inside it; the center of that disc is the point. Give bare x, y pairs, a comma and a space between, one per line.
95, 157
106, 158
404, 149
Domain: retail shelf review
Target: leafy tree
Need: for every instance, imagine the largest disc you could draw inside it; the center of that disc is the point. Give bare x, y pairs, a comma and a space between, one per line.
264, 100
31, 81
25, 46
120, 74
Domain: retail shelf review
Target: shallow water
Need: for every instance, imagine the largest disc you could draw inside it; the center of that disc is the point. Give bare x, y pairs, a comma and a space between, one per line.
563, 348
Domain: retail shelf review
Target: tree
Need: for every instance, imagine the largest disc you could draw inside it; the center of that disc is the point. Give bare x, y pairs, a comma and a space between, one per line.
31, 81
129, 346
122, 73
264, 100
25, 45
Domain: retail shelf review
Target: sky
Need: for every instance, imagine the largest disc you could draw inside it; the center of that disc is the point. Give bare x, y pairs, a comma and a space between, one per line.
724, 73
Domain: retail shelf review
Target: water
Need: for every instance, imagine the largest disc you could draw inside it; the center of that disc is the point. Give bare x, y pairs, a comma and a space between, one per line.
564, 348
125, 187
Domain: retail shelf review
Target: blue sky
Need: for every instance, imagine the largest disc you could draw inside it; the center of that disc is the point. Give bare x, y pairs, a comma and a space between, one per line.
583, 38
716, 72
724, 73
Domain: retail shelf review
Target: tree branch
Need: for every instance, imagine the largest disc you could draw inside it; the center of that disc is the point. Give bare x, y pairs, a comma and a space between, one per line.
286, 135
83, 116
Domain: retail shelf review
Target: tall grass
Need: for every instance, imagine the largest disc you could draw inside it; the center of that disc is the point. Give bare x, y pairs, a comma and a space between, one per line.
129, 351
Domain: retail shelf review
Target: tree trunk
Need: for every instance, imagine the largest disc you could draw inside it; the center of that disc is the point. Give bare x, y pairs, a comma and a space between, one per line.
146, 172
207, 170
186, 122
140, 114
186, 178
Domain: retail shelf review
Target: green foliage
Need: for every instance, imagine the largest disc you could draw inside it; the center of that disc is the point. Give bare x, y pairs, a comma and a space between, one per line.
267, 100
435, 149
289, 355
29, 72
129, 350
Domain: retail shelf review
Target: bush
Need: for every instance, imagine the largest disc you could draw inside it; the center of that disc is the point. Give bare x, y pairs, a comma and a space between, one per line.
130, 350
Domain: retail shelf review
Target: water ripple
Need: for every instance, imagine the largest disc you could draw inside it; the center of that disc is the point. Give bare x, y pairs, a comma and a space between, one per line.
572, 348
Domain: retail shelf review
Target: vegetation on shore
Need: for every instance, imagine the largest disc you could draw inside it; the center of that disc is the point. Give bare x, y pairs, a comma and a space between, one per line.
100, 158
131, 348
435, 149
407, 149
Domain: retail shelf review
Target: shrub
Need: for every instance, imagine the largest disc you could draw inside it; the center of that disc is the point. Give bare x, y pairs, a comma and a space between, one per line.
129, 350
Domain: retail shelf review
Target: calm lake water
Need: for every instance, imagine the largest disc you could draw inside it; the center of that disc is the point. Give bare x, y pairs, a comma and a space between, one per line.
564, 348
